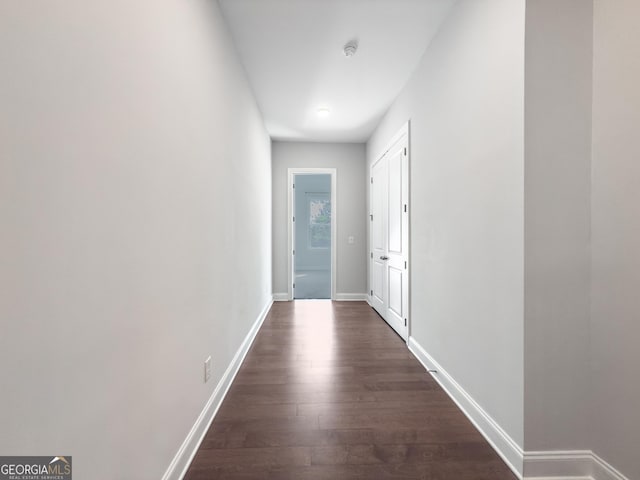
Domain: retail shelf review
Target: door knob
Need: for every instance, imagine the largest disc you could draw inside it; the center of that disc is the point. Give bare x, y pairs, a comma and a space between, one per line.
384, 257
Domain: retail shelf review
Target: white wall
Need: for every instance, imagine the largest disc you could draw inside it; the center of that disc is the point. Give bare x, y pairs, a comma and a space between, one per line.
538, 324
349, 160
135, 226
466, 106
615, 326
557, 222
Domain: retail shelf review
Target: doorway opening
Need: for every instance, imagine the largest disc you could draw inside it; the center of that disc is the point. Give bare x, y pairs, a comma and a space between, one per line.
312, 233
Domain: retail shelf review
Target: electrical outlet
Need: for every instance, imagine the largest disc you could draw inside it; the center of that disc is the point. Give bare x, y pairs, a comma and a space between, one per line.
207, 369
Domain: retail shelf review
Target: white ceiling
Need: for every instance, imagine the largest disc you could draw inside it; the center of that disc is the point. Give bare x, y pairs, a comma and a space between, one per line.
292, 52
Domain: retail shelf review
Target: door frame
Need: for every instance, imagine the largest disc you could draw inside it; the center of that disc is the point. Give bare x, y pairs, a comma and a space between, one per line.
292, 172
405, 130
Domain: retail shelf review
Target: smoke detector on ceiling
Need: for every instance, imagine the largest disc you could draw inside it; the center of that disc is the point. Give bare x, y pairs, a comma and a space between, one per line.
350, 48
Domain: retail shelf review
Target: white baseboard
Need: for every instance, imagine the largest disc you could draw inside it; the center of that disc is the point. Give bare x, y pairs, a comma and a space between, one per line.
340, 297
530, 465
565, 465
603, 471
351, 297
568, 465
180, 463
502, 443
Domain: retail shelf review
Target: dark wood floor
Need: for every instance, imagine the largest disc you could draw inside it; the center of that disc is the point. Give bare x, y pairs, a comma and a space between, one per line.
329, 392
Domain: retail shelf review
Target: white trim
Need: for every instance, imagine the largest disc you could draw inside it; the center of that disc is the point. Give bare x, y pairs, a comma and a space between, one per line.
351, 297
604, 471
407, 127
180, 463
558, 478
559, 464
339, 297
291, 172
502, 443
404, 130
531, 465
568, 465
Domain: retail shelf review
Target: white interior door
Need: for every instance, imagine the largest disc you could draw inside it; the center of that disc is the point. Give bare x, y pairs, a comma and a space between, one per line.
389, 273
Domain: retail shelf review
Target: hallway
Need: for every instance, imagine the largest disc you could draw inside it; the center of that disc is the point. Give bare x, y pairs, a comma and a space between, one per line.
329, 391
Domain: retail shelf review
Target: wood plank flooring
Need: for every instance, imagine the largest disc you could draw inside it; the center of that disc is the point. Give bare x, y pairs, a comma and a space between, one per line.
329, 392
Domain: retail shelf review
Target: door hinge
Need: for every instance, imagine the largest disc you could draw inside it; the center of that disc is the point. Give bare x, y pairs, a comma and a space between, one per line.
371, 293
371, 254
294, 219
294, 285
405, 208
294, 185
371, 179
405, 322
405, 151
371, 216
294, 252
405, 264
